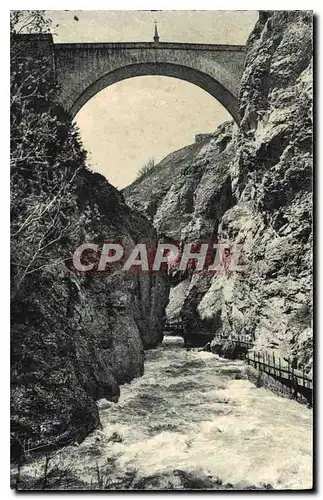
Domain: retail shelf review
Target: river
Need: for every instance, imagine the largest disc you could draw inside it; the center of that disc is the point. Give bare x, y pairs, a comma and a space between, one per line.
191, 419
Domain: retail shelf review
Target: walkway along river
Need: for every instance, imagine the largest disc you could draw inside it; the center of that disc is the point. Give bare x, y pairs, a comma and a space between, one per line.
192, 412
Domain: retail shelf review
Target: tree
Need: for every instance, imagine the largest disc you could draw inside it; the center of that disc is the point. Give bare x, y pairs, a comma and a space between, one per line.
46, 158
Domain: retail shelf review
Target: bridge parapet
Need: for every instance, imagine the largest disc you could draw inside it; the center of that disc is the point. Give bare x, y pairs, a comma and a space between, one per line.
152, 45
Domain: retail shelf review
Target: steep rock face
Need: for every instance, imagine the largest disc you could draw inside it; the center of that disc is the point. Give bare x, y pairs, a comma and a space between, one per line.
256, 193
77, 338
186, 194
272, 181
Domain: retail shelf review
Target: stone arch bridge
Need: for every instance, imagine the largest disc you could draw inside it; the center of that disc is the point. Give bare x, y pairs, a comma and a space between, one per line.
83, 69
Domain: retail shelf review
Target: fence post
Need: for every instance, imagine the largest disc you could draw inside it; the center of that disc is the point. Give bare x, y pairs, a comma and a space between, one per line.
274, 364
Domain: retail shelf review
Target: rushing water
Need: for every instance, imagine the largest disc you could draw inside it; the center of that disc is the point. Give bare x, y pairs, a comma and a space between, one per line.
192, 411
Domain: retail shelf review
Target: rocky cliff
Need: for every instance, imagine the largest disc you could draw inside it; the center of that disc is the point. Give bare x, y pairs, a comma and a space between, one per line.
252, 186
76, 338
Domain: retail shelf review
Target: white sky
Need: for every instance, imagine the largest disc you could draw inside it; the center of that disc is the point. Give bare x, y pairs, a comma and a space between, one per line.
129, 122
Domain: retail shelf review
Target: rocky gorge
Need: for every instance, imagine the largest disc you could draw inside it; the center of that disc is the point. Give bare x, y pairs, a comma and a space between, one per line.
77, 338
249, 185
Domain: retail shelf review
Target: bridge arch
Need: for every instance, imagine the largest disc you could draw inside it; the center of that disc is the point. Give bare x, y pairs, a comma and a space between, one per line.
202, 80
83, 69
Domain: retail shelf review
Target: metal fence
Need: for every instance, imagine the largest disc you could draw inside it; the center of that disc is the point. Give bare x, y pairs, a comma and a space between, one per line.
174, 326
278, 368
243, 340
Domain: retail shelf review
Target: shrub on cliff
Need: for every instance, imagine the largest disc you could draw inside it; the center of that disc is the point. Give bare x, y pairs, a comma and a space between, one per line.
146, 169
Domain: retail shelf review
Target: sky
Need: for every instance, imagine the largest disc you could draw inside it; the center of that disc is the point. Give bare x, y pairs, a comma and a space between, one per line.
126, 124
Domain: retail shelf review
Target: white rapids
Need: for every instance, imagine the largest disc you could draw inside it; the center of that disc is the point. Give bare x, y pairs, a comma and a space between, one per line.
191, 411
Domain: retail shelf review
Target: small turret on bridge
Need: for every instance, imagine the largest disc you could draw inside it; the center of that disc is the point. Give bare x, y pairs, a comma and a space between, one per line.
156, 36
